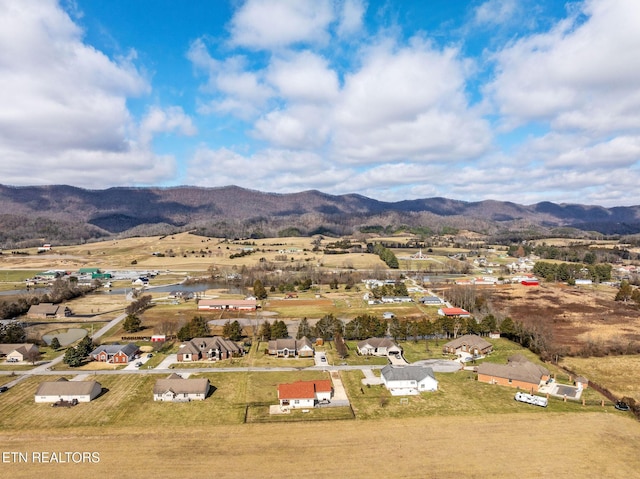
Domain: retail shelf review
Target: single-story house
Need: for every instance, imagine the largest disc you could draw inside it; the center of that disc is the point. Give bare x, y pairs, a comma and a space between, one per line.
64, 390
288, 348
18, 352
177, 389
469, 343
408, 380
115, 353
48, 311
454, 312
304, 394
378, 347
430, 300
209, 349
228, 304
518, 373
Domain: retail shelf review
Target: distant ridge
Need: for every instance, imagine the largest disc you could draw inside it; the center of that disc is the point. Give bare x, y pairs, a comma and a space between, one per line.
59, 212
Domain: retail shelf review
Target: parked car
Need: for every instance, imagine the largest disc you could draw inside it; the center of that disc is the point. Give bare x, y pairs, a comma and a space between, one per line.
622, 406
138, 364
323, 359
3, 389
149, 355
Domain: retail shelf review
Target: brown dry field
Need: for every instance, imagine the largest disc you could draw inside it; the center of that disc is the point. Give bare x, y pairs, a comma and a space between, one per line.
524, 446
576, 316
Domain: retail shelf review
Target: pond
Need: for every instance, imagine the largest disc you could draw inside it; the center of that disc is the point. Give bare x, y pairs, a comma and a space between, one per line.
65, 336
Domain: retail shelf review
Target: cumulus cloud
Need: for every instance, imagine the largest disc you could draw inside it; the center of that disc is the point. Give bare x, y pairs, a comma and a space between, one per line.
272, 24
271, 169
495, 12
581, 74
64, 116
350, 17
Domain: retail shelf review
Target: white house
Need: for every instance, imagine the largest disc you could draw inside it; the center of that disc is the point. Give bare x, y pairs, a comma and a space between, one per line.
378, 347
64, 390
408, 380
177, 389
304, 394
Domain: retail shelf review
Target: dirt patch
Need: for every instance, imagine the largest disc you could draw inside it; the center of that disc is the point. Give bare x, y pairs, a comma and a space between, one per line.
575, 317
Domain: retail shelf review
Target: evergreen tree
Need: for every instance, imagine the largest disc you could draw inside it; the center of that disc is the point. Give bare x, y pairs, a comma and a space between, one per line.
85, 346
625, 292
233, 331
304, 329
55, 343
279, 330
265, 331
72, 358
131, 323
258, 290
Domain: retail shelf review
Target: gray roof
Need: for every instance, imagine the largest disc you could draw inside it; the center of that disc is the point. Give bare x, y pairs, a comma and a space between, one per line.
23, 348
129, 349
178, 385
378, 343
406, 373
290, 344
519, 370
472, 340
62, 387
197, 345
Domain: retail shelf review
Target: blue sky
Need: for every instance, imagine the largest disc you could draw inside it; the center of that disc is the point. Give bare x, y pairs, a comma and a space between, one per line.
517, 100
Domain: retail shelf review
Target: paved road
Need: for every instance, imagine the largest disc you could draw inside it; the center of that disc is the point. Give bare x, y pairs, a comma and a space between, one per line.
44, 368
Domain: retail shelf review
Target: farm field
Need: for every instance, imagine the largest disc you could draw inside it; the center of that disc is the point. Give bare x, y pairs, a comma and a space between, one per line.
524, 445
619, 374
576, 317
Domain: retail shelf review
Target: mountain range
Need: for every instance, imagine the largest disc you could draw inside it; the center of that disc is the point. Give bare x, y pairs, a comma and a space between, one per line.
66, 213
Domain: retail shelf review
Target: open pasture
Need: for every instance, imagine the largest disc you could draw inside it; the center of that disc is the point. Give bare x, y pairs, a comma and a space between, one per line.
527, 445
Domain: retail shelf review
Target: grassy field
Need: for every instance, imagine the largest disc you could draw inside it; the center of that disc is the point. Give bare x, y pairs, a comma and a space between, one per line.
524, 445
619, 374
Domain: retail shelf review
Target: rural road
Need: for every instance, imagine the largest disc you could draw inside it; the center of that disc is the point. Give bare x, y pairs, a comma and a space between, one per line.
44, 369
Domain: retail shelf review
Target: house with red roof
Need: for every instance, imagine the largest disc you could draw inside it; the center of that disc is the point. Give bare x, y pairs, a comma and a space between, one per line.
304, 394
463, 313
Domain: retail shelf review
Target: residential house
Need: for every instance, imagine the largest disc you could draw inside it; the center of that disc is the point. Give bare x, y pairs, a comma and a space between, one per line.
14, 353
214, 348
454, 312
64, 390
378, 347
291, 348
48, 311
431, 300
408, 380
518, 373
304, 394
115, 353
177, 389
469, 343
228, 304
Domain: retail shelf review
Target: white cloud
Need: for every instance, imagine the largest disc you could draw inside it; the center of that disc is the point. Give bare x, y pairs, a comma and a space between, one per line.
408, 102
303, 77
273, 24
350, 17
578, 75
234, 88
268, 170
495, 12
64, 117
158, 120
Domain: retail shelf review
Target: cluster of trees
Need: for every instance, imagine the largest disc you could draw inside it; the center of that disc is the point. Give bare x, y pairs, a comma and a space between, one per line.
12, 333
277, 330
627, 293
569, 272
365, 326
132, 322
384, 253
74, 357
232, 330
396, 289
196, 328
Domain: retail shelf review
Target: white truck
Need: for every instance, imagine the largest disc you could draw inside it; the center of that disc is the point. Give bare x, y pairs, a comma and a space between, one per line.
531, 399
